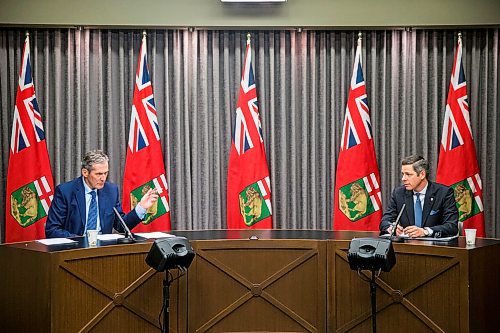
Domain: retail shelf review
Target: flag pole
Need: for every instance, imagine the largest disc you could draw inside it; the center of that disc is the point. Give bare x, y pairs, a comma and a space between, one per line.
144, 34
249, 36
460, 37
360, 35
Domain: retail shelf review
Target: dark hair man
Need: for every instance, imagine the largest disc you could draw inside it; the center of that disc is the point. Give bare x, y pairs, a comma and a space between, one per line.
430, 207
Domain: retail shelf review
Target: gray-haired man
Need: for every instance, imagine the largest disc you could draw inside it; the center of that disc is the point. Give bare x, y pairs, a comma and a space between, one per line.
86, 203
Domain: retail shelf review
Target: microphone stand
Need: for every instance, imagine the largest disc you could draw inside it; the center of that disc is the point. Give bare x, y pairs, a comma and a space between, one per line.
129, 236
393, 236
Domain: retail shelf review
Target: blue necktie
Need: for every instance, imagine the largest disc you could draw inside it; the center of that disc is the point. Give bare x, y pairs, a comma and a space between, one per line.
92, 215
418, 211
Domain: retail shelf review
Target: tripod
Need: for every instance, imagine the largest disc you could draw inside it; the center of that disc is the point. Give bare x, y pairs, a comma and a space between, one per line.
373, 295
166, 301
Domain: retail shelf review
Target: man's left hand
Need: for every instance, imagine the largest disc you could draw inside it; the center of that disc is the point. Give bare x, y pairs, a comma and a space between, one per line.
414, 231
149, 198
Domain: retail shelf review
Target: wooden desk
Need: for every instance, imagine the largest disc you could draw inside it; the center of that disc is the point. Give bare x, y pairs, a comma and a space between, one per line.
79, 289
284, 281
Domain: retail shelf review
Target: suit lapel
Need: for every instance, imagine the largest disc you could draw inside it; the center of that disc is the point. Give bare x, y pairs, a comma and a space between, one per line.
80, 199
410, 212
103, 203
430, 198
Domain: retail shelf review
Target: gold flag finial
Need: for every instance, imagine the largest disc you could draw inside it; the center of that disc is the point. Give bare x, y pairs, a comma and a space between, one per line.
144, 34
249, 36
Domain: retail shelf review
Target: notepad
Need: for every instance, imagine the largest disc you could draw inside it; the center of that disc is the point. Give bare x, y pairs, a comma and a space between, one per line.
55, 241
155, 234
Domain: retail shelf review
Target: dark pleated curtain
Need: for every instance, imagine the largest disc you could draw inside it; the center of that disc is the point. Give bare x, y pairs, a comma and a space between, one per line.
84, 82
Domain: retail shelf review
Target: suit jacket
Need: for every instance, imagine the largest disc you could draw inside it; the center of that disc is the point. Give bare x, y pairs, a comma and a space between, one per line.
67, 213
439, 211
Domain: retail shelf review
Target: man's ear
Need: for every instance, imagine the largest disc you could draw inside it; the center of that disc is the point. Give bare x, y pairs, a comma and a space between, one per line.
85, 172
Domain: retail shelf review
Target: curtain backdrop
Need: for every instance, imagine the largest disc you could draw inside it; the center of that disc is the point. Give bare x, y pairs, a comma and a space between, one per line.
84, 83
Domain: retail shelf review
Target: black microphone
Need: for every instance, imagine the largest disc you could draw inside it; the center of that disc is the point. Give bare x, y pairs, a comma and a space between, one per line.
395, 226
129, 237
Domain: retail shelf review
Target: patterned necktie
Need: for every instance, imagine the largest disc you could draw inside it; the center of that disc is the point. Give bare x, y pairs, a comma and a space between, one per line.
92, 216
418, 211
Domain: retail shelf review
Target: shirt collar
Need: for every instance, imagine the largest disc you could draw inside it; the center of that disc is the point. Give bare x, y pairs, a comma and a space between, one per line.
423, 190
87, 188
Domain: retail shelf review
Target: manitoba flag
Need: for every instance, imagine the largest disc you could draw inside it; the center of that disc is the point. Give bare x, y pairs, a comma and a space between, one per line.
358, 203
457, 164
30, 186
248, 183
144, 166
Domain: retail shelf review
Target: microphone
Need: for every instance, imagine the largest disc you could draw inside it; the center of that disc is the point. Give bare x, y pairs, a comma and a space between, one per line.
393, 236
129, 237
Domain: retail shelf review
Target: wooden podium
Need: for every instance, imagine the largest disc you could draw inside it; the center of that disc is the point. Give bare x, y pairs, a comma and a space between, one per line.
250, 281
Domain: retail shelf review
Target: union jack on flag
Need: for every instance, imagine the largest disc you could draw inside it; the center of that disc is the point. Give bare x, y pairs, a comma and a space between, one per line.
357, 170
456, 116
357, 112
144, 163
248, 182
457, 164
29, 177
28, 126
140, 134
247, 112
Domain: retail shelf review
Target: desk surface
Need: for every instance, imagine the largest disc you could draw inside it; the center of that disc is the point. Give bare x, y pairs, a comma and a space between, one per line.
275, 234
112, 288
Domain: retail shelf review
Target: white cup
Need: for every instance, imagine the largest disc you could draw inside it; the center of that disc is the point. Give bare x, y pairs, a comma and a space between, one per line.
92, 237
470, 236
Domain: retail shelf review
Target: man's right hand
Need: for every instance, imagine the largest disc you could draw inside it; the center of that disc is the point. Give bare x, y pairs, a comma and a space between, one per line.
149, 198
399, 230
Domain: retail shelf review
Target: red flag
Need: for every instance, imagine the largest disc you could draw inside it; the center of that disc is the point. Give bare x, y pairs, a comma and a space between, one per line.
30, 186
457, 165
144, 166
358, 204
248, 183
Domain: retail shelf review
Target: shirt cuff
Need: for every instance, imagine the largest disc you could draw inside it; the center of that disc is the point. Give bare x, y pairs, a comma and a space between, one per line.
141, 212
429, 230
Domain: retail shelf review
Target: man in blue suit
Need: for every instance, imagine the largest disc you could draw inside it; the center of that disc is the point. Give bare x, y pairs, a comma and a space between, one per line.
430, 207
86, 203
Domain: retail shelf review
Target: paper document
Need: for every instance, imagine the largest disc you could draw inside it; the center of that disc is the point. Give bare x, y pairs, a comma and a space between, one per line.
55, 241
389, 236
155, 234
105, 237
442, 239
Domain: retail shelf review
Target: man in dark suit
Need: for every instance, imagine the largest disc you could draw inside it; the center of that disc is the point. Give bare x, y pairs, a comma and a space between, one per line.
86, 203
430, 207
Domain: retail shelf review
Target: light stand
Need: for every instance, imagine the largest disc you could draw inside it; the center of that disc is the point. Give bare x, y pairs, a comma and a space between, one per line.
165, 254
374, 255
